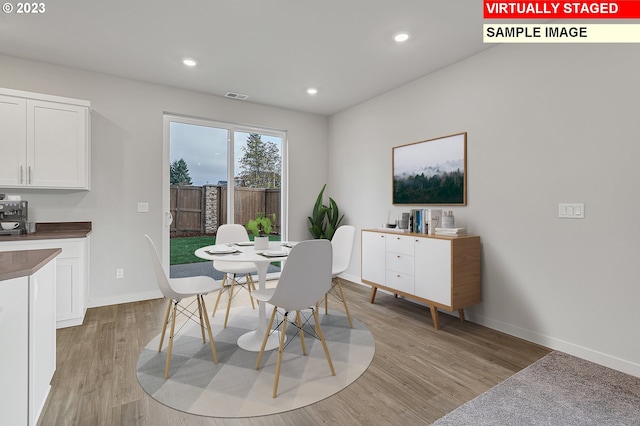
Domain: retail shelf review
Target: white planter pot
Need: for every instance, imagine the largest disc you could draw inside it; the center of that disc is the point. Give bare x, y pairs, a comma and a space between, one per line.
261, 243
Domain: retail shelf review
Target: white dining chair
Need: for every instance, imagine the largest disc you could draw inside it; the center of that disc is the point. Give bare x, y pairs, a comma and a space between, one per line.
176, 290
227, 234
305, 278
342, 244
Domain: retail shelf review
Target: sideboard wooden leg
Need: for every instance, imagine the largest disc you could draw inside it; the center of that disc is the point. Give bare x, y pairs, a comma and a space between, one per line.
434, 317
374, 289
461, 314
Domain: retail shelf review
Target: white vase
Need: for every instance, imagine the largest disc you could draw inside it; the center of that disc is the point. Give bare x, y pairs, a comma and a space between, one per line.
261, 243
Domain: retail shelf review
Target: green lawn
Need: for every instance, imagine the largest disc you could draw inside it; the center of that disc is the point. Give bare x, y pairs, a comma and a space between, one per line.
182, 248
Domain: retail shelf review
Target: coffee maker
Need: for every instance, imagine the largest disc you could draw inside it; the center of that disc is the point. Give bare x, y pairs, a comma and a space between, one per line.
10, 212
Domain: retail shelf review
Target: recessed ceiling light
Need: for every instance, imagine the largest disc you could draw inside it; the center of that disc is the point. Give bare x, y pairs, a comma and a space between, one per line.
401, 37
312, 91
189, 62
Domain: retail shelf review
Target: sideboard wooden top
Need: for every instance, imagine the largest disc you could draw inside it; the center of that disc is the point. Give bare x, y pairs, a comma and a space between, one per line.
391, 231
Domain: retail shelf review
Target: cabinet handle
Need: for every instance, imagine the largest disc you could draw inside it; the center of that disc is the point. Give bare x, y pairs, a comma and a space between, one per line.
21, 176
29, 176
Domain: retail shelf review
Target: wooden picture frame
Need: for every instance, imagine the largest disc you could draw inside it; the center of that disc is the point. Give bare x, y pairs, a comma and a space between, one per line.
432, 172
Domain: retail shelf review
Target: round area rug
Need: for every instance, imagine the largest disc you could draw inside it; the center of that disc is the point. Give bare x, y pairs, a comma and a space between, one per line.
233, 387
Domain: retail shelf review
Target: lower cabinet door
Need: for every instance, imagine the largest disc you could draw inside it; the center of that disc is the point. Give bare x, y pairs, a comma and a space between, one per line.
14, 368
373, 257
433, 270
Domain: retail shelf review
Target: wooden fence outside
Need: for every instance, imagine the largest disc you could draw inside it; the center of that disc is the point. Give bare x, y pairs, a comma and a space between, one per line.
199, 209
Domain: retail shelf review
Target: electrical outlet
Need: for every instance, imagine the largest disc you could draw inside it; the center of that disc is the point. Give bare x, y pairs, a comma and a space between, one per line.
119, 273
143, 207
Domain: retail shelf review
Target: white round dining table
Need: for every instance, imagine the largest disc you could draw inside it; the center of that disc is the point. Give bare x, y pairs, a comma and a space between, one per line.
251, 341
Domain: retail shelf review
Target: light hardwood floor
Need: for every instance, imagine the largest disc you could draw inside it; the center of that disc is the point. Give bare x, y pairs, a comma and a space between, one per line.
418, 374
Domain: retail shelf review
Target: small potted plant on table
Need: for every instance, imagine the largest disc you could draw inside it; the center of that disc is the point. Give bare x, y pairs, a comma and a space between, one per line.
260, 227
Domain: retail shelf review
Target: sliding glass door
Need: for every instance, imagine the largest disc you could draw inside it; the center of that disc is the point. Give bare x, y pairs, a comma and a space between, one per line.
221, 173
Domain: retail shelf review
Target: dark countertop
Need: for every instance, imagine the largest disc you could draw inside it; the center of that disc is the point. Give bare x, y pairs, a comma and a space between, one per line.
21, 263
53, 231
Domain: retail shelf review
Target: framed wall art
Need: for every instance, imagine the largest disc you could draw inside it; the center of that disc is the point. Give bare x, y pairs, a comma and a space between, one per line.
431, 172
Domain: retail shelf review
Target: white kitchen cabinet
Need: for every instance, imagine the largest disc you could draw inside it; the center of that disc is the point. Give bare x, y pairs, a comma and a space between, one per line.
48, 141
442, 272
14, 368
72, 276
42, 337
27, 326
13, 137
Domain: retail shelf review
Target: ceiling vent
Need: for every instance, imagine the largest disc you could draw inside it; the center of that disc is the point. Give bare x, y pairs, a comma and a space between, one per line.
238, 96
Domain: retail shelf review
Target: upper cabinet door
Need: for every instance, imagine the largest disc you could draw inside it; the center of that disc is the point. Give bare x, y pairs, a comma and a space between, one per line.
57, 145
13, 150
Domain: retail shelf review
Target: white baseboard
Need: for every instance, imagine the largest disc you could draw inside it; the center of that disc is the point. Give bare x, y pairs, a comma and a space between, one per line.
601, 358
125, 298
550, 342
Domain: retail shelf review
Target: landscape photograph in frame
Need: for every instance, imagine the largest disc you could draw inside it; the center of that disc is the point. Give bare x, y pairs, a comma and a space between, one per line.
431, 172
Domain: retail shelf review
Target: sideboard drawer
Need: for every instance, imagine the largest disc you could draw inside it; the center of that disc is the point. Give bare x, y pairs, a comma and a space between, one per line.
402, 244
400, 263
401, 282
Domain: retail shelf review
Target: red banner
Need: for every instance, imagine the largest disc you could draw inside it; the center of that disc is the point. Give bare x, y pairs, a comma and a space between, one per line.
624, 9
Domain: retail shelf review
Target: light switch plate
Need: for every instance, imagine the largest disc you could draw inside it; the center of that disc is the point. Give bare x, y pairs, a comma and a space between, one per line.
571, 210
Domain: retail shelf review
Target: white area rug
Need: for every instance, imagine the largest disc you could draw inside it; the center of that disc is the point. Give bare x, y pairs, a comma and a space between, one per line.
233, 387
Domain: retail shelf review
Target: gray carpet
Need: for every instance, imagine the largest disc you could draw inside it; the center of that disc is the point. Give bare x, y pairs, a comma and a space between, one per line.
559, 389
233, 387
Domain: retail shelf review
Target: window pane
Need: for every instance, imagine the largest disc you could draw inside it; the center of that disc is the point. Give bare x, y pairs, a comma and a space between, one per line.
258, 176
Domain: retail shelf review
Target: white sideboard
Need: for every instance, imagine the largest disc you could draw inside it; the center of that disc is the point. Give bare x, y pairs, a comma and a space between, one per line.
72, 275
440, 271
44, 140
27, 327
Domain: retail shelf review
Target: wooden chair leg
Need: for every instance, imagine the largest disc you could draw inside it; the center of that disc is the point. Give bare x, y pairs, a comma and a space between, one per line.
461, 314
301, 333
324, 343
279, 362
165, 324
344, 302
266, 337
173, 326
201, 321
208, 325
215, 307
226, 317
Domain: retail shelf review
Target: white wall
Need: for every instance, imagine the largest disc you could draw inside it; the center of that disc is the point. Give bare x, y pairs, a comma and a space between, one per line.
127, 147
546, 124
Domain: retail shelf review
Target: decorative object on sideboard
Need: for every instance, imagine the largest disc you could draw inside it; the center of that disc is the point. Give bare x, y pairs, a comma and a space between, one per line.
431, 172
448, 221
